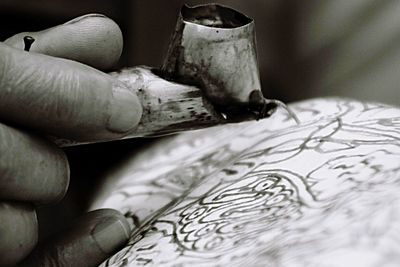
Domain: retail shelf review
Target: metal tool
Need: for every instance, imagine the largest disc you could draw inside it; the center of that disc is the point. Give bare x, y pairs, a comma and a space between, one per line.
210, 76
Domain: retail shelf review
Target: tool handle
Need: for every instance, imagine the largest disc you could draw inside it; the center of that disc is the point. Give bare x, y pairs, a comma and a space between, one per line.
168, 107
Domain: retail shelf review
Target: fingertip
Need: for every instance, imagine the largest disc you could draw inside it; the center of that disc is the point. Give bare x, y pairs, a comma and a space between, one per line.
88, 242
64, 98
125, 109
92, 39
18, 232
110, 232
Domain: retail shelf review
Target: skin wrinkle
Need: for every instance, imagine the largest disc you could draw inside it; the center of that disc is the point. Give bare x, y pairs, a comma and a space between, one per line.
51, 94
76, 103
4, 62
22, 79
65, 105
69, 82
5, 172
34, 98
64, 98
81, 96
10, 73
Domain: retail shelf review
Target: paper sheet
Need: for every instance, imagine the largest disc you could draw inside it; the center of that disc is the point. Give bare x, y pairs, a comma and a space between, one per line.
267, 193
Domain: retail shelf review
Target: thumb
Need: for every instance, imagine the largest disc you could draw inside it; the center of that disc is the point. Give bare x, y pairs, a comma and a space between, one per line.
88, 242
63, 97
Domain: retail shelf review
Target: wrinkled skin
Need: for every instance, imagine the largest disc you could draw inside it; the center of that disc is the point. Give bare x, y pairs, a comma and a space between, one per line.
56, 89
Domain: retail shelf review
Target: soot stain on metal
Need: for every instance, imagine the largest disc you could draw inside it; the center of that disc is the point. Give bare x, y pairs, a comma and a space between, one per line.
223, 98
170, 68
214, 89
216, 16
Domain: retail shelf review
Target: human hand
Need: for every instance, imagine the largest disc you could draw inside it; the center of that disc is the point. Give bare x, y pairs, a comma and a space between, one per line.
43, 92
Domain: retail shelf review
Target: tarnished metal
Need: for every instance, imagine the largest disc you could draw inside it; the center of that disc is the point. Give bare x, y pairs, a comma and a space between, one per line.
214, 48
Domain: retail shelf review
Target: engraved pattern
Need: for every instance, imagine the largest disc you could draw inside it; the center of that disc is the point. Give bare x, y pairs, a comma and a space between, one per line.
268, 193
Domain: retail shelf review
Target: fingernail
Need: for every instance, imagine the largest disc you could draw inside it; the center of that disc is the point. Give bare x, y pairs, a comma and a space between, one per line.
125, 110
110, 235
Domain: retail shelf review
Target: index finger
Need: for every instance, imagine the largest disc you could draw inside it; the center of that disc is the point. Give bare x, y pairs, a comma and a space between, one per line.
92, 39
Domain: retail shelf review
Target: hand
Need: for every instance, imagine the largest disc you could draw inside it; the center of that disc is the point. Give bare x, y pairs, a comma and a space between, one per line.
48, 92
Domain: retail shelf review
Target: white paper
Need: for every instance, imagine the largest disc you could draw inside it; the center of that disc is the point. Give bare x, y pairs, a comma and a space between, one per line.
268, 193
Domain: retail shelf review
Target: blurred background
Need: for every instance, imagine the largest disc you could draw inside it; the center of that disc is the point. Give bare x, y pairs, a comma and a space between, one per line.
306, 49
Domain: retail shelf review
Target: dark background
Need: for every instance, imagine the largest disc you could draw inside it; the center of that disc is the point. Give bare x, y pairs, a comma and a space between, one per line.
306, 49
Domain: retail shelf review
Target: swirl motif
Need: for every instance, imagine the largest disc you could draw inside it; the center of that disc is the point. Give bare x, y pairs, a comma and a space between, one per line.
269, 193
